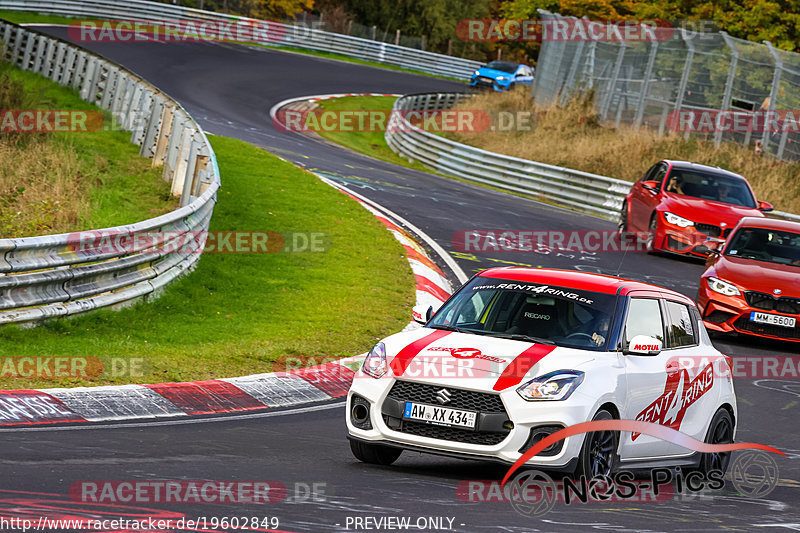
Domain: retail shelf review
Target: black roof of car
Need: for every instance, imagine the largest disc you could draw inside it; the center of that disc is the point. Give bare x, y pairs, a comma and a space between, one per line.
688, 165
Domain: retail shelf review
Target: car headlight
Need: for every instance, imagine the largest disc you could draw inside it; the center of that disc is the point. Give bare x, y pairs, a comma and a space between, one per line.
558, 385
502, 78
475, 73
723, 287
375, 363
675, 220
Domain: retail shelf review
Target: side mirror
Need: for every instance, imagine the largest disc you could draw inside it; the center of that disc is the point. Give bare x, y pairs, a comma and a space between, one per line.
422, 313
643, 345
765, 207
650, 185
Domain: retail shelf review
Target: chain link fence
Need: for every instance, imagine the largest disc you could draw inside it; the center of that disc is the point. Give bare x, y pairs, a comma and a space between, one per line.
684, 81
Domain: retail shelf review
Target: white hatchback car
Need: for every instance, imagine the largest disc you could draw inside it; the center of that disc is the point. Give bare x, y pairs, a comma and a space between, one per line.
520, 353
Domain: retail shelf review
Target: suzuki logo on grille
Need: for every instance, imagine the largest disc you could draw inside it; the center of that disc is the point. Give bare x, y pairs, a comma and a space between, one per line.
443, 396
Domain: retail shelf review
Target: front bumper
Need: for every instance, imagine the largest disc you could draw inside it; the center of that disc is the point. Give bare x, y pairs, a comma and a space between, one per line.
731, 314
488, 83
490, 441
684, 241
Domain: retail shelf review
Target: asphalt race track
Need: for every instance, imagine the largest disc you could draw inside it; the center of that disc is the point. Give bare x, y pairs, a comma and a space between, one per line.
229, 89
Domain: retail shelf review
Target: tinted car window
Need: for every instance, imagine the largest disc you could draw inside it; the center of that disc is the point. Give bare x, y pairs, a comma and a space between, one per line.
769, 246
710, 186
515, 309
644, 318
505, 66
680, 329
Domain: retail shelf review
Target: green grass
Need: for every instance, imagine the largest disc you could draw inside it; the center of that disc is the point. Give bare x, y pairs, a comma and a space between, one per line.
237, 313
25, 17
97, 177
371, 143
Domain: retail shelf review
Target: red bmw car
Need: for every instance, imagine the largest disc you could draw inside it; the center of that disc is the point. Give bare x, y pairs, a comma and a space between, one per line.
678, 205
752, 285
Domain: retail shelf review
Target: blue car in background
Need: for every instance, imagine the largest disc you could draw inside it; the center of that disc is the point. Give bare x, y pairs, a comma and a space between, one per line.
502, 75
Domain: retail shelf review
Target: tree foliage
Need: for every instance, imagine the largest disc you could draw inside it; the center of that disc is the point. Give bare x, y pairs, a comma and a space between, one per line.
777, 21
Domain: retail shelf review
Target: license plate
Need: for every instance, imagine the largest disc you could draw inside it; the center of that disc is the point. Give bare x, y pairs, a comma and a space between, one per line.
775, 320
440, 416
485, 80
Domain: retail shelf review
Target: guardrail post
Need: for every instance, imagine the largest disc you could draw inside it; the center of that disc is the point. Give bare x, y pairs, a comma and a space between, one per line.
173, 145
152, 126
773, 93
726, 94
6, 37
58, 62
27, 55
89, 89
40, 42
160, 150
68, 70
648, 73
47, 64
131, 103
15, 55
110, 89
190, 176
139, 123
182, 161
80, 71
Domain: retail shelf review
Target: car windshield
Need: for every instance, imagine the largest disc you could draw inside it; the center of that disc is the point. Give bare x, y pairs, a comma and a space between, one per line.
770, 246
710, 186
529, 311
505, 66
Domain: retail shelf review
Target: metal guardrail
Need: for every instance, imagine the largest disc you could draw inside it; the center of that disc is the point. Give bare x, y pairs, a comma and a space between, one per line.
59, 275
277, 34
582, 191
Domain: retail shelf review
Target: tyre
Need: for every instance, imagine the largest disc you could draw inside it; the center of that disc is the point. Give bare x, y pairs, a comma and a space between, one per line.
652, 231
375, 454
598, 455
511, 87
622, 224
720, 431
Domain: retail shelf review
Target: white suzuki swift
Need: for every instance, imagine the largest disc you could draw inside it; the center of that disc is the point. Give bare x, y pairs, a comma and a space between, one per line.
520, 353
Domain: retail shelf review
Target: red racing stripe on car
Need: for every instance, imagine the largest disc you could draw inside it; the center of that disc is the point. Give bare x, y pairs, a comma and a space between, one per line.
407, 354
514, 372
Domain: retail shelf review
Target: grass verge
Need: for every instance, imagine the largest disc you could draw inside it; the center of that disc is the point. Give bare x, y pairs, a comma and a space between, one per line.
29, 17
57, 182
368, 142
239, 313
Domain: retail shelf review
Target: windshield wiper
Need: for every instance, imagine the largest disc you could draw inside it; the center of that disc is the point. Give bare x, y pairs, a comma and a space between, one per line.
450, 328
526, 338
